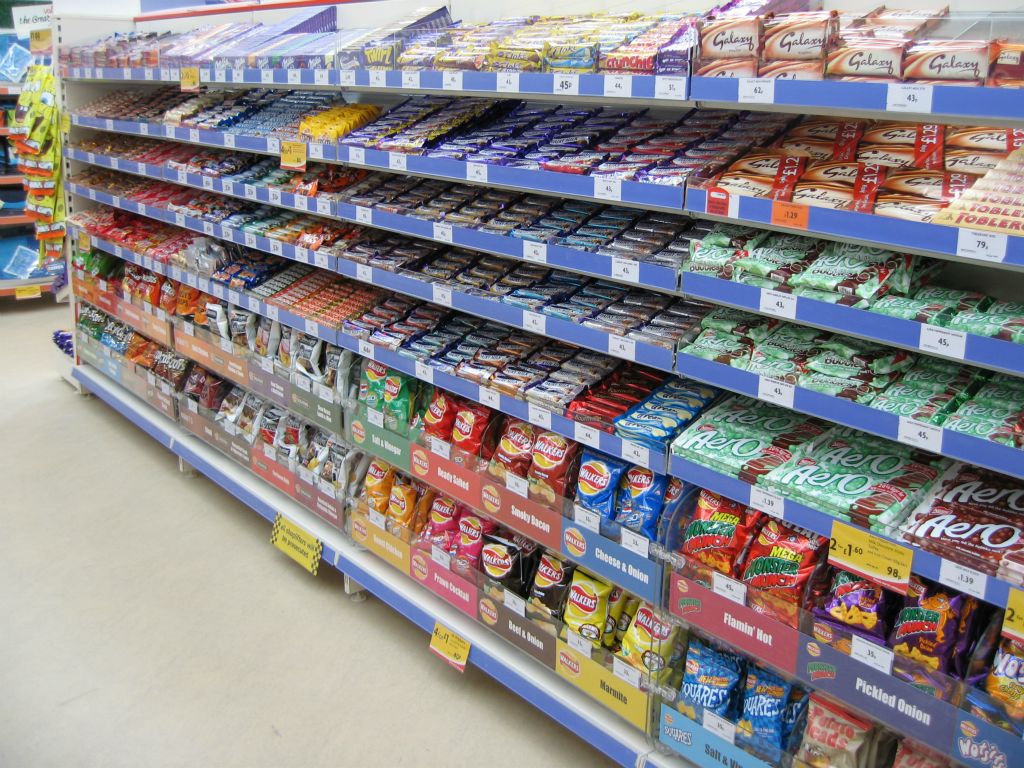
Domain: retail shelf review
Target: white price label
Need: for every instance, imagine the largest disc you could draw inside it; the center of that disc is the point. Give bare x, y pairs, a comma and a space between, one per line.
251, 193
508, 82
266, 76
311, 327
634, 542
316, 151
490, 397
148, 73
378, 78
626, 269
192, 405
190, 330
208, 182
303, 383
169, 131
439, 447
237, 75
267, 364
193, 135
179, 219
268, 451
636, 453
902, 97
227, 346
364, 273
396, 161
235, 298
578, 643
443, 232
608, 189
517, 485
109, 124
775, 391
250, 240
324, 393
986, 246
965, 579
515, 603
306, 475
274, 146
442, 294
756, 90
115, 163
364, 215
539, 416
274, 195
535, 252
586, 435
150, 379
346, 77
768, 502
535, 322
272, 312
301, 202
441, 556
943, 341
366, 348
253, 303
875, 656
586, 519
327, 489
618, 85
144, 129
451, 81
294, 76
626, 671
215, 288
410, 79
320, 76
920, 435
208, 228
669, 87
476, 172
620, 346
566, 85
729, 588
323, 207
719, 726
424, 372
229, 140
377, 519
778, 304
276, 247
375, 417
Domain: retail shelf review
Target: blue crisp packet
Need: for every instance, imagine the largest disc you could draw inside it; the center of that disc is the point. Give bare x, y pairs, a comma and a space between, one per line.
598, 482
762, 723
640, 501
711, 681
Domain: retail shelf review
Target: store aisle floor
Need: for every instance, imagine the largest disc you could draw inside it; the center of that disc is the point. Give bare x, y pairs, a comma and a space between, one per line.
147, 621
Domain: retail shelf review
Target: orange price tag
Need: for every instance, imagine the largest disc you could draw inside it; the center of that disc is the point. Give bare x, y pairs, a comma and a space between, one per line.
792, 215
190, 79
293, 155
1013, 619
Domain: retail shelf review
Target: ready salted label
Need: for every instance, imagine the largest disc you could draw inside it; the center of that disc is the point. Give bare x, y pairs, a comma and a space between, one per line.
459, 482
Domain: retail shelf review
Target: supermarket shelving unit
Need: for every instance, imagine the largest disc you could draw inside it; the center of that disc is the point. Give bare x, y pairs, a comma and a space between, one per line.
954, 732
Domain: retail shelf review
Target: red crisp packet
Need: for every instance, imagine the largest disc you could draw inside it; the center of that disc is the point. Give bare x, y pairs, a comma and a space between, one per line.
440, 415
719, 532
471, 422
778, 566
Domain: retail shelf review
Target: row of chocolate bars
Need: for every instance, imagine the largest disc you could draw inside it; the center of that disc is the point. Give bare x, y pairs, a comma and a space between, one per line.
786, 39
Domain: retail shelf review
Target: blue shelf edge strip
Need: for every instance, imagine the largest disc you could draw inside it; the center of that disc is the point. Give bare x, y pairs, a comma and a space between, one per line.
372, 578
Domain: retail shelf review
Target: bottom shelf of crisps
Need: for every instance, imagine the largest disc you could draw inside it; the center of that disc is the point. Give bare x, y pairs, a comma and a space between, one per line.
597, 510
926, 660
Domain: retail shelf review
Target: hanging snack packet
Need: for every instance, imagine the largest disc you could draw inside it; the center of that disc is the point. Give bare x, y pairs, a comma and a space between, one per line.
515, 449
833, 737
599, 480
397, 402
586, 608
649, 642
719, 532
471, 421
764, 705
440, 415
779, 564
470, 543
442, 526
551, 585
711, 681
854, 603
401, 505
371, 384
552, 467
616, 604
380, 476
927, 628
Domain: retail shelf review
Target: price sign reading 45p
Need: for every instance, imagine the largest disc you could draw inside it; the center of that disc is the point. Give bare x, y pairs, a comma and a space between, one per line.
450, 646
880, 560
293, 155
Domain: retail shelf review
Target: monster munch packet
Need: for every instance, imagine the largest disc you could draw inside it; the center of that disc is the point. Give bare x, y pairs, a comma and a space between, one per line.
778, 567
719, 532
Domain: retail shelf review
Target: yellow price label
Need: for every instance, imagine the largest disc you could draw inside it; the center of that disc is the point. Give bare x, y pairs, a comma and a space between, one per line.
65, 123
293, 155
40, 41
450, 646
28, 292
1013, 619
84, 242
190, 79
880, 560
300, 546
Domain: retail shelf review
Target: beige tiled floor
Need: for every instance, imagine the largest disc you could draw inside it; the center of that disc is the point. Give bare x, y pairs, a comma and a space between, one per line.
146, 621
